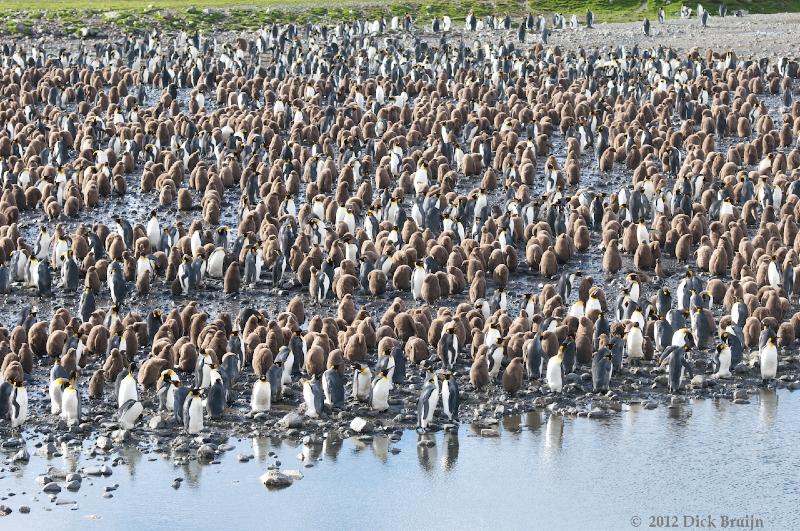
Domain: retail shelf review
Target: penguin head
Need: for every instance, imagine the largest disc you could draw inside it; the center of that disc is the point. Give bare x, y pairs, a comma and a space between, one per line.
62, 382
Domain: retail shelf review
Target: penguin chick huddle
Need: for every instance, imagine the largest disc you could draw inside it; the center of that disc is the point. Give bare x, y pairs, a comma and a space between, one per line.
371, 218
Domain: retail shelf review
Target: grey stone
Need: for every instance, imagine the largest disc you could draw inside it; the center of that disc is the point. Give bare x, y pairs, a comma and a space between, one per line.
361, 425
103, 442
22, 456
490, 432
294, 474
292, 420
740, 394
274, 479
73, 485
24, 509
206, 452
699, 380
51, 488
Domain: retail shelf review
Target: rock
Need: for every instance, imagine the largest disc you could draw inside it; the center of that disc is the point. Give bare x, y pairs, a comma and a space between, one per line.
47, 450
361, 425
206, 451
24, 509
698, 381
73, 477
73, 485
5, 510
274, 479
121, 436
291, 420
51, 488
650, 405
156, 423
22, 456
43, 480
740, 394
597, 413
103, 442
295, 475
490, 432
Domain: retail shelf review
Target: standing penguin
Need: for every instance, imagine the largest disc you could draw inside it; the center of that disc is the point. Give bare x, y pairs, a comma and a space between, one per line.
129, 413
722, 361
634, 344
555, 372
362, 380
71, 404
312, 395
602, 368
216, 398
646, 27
125, 386
448, 348
18, 405
450, 396
512, 376
261, 399
428, 400
116, 283
193, 412
333, 388
44, 282
768, 360
678, 364
379, 399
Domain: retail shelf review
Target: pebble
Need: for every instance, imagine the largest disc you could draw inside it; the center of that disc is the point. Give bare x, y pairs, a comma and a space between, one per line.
51, 488
490, 432
292, 420
73, 485
22, 456
103, 442
5, 510
24, 509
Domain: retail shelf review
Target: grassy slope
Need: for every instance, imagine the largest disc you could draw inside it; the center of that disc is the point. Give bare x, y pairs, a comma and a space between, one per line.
70, 15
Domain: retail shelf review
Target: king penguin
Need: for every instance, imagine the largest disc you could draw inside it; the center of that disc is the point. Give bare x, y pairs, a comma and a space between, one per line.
312, 395
261, 399
450, 396
602, 368
129, 412
379, 400
193, 412
428, 400
333, 388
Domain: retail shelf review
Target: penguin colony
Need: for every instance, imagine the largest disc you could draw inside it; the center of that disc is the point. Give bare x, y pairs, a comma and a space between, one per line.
412, 215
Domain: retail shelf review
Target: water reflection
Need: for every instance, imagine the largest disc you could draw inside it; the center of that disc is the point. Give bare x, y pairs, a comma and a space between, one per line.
767, 407
332, 445
553, 434
533, 420
450, 450
512, 424
427, 453
380, 447
131, 456
261, 446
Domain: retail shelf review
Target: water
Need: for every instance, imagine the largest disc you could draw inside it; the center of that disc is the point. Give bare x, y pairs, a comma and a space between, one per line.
702, 458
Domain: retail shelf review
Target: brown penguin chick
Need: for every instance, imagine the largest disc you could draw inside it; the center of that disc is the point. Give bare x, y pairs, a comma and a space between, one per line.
479, 372
347, 309
336, 361
401, 279
376, 280
25, 357
607, 160
14, 373
612, 261
150, 372
315, 360
37, 338
143, 282
262, 360
659, 269
430, 291
184, 199
55, 343
416, 350
113, 365
296, 308
477, 289
548, 264
643, 258
356, 348
232, 281
69, 360
512, 376
683, 248
92, 280
96, 384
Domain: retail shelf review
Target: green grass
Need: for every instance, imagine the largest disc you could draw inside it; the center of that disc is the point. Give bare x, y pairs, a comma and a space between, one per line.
69, 16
